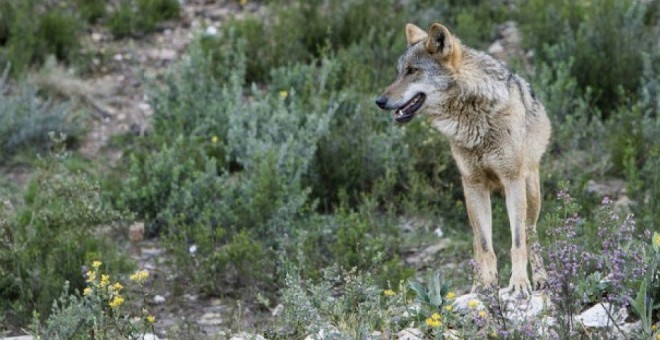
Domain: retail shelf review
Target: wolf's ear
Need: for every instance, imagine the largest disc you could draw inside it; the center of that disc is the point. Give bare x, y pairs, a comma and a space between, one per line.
439, 41
414, 34
442, 43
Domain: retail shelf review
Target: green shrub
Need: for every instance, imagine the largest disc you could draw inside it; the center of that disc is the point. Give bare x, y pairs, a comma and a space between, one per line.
49, 239
26, 119
34, 29
91, 10
605, 38
59, 32
135, 17
235, 170
101, 310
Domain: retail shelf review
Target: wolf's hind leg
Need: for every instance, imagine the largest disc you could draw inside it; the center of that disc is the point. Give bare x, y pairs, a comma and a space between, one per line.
533, 186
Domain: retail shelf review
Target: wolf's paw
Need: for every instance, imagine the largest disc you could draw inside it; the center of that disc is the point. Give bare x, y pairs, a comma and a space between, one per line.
519, 286
540, 279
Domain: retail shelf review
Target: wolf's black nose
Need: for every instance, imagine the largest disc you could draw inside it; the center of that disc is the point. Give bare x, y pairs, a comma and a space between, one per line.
381, 101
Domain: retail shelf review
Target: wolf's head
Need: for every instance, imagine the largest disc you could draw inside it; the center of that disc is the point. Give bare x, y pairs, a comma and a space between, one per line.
425, 70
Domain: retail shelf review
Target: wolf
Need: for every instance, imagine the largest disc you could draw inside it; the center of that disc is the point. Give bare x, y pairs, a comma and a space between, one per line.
497, 130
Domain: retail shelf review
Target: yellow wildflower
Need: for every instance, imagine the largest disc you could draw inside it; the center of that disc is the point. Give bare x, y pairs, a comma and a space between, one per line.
105, 280
389, 292
87, 291
473, 304
435, 316
116, 301
96, 264
283, 94
139, 276
433, 323
449, 308
243, 2
482, 314
656, 240
451, 295
116, 287
214, 139
654, 327
91, 276
151, 319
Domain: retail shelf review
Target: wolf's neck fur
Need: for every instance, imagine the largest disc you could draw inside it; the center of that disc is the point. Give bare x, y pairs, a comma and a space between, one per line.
478, 92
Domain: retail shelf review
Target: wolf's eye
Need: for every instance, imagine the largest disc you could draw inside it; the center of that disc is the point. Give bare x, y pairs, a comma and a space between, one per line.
411, 70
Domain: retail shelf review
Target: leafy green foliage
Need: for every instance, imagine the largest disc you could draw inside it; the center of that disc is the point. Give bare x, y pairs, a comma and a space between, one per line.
605, 38
26, 119
32, 30
135, 17
49, 239
91, 10
99, 311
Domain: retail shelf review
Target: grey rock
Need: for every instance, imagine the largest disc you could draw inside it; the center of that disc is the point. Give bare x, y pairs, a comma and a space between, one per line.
462, 303
158, 299
597, 316
247, 336
210, 319
411, 334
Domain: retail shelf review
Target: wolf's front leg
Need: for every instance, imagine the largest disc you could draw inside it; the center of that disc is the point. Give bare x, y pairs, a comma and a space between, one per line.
516, 207
477, 201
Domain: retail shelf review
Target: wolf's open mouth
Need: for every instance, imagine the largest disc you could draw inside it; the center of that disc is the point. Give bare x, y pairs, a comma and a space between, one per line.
406, 112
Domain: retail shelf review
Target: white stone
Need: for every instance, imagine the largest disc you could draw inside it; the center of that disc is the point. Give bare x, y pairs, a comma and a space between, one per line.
462, 303
411, 334
190, 297
211, 30
516, 309
330, 333
524, 309
210, 319
597, 316
246, 336
429, 253
96, 37
150, 336
158, 299
375, 335
144, 106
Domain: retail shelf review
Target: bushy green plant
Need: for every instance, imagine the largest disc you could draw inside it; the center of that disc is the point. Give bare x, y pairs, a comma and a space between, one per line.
26, 119
99, 311
91, 10
605, 38
134, 17
49, 239
59, 32
32, 30
243, 184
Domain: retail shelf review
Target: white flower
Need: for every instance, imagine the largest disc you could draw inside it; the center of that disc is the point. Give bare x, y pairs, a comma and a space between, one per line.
193, 249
